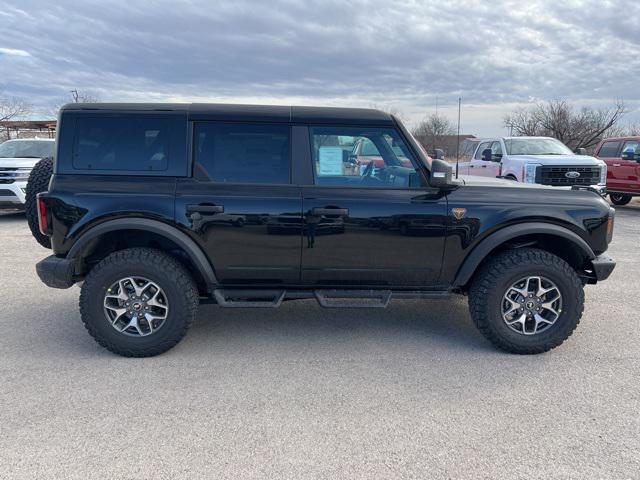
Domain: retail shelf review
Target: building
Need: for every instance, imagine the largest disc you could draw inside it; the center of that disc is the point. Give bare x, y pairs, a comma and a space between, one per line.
27, 129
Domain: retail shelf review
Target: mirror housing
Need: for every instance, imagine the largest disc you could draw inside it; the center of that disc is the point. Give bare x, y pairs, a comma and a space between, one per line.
629, 155
439, 154
441, 174
581, 151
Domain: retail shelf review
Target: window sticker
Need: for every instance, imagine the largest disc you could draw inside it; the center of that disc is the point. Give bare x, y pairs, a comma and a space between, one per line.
329, 161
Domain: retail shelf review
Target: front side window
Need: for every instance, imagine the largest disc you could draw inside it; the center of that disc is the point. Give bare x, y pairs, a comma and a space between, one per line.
243, 153
121, 142
609, 149
380, 158
496, 149
631, 145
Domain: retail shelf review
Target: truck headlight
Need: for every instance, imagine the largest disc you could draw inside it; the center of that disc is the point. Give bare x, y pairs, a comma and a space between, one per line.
530, 172
603, 174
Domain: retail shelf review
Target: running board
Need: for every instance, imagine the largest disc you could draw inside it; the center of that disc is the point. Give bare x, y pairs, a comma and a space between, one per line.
344, 298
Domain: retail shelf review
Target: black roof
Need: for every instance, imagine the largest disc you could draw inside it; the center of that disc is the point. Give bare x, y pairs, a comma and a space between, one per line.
256, 113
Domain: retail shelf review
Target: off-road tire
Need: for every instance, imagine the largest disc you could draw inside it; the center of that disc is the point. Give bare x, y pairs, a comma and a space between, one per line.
38, 182
157, 266
499, 273
620, 198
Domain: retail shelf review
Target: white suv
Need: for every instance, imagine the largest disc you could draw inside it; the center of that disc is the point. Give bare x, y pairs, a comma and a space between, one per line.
17, 158
542, 160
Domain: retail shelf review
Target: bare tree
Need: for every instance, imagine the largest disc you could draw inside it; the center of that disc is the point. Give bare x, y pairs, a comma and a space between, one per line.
431, 129
75, 96
583, 127
13, 108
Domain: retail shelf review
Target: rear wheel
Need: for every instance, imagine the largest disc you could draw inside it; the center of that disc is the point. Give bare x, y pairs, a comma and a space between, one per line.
138, 302
38, 182
620, 198
526, 301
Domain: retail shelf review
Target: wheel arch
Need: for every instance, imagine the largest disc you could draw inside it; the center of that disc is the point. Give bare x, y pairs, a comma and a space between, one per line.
553, 238
117, 234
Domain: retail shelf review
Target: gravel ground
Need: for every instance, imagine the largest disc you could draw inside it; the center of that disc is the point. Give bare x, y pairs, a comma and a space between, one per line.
412, 391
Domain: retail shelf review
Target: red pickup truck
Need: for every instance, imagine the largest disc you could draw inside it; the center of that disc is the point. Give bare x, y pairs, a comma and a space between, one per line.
622, 155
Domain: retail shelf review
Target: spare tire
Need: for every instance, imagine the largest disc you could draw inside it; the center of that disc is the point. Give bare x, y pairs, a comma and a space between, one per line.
38, 182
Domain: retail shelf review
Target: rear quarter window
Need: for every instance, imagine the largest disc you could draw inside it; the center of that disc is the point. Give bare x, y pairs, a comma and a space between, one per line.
122, 143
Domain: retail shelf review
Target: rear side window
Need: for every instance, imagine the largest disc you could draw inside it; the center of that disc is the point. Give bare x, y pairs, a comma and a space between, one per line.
121, 142
243, 153
609, 149
483, 146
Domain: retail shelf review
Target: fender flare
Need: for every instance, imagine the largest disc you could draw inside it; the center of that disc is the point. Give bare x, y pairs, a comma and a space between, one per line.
195, 253
480, 252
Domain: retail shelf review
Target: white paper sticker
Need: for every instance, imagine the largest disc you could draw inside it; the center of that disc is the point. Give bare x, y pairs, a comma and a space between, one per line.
330, 161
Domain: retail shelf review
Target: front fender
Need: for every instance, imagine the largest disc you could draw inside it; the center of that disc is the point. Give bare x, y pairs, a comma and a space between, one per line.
480, 252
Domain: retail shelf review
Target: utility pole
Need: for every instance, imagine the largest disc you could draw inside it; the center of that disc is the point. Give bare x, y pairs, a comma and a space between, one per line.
458, 139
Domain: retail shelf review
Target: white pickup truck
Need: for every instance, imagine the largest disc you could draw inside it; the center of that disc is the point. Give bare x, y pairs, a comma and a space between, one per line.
542, 160
17, 158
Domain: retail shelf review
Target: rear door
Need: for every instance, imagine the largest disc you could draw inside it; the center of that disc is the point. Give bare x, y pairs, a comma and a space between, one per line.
240, 204
378, 226
610, 153
478, 166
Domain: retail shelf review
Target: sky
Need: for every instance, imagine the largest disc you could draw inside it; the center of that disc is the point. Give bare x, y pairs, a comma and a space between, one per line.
409, 57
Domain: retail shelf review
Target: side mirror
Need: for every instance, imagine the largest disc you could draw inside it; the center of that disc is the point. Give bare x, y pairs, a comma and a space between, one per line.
439, 154
629, 155
486, 155
441, 174
581, 151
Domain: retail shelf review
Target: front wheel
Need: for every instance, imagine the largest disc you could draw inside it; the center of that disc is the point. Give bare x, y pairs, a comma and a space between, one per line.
620, 198
526, 301
138, 302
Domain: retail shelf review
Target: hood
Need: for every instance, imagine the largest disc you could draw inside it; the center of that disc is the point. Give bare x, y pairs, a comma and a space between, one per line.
559, 159
18, 162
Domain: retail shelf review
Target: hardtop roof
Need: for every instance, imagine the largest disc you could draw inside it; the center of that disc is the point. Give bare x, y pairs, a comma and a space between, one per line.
239, 112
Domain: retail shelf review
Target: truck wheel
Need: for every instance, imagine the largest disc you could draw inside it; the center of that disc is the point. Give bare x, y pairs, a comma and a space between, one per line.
526, 301
38, 182
620, 198
138, 302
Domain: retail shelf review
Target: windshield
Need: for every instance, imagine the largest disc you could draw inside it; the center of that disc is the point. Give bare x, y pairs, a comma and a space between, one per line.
536, 146
26, 149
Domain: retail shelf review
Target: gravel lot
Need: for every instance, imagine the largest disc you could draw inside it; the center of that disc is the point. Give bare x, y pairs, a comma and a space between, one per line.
300, 392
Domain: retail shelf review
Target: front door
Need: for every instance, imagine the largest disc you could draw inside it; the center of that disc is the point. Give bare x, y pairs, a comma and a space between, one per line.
374, 224
628, 171
240, 204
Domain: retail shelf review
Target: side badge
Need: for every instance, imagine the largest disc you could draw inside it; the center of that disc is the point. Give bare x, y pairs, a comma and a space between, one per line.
459, 213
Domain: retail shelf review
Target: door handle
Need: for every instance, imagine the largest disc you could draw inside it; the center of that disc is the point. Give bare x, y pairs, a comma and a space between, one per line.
472, 166
343, 212
484, 166
617, 164
205, 208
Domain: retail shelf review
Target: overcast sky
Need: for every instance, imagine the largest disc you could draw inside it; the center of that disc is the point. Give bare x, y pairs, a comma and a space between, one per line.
402, 55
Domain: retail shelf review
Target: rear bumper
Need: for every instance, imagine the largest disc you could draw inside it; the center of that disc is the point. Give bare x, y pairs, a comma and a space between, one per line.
56, 272
603, 265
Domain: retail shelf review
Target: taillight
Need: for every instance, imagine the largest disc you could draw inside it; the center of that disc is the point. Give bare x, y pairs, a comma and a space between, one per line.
43, 223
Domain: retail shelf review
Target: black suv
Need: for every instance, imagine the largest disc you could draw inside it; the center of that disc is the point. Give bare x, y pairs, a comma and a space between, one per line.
155, 208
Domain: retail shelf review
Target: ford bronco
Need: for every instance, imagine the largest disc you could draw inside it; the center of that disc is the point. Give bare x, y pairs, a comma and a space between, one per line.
154, 208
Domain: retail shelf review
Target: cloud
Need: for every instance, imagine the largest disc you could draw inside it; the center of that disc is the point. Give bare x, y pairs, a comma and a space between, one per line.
14, 51
401, 54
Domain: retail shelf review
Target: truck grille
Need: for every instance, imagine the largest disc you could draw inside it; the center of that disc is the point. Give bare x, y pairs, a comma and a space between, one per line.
557, 176
14, 174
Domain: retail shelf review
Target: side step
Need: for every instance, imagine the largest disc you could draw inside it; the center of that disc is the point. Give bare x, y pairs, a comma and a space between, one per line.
344, 298
353, 298
249, 298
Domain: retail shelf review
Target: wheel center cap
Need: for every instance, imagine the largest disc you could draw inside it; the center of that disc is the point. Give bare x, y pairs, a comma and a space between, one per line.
137, 306
529, 305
